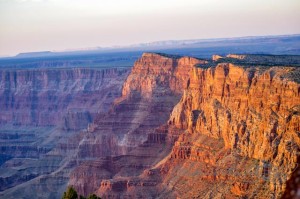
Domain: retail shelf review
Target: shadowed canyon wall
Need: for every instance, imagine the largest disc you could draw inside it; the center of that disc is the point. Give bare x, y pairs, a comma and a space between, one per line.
48, 97
42, 114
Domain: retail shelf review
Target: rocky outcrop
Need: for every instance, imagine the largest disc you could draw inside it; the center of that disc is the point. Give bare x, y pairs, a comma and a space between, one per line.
259, 60
254, 111
238, 105
77, 120
157, 74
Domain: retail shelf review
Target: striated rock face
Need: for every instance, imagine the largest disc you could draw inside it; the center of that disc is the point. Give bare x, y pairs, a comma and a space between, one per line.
148, 96
189, 128
158, 74
76, 120
253, 111
233, 133
43, 96
42, 113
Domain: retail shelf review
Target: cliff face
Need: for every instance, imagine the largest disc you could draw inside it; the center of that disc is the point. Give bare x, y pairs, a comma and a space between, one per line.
148, 96
187, 128
158, 74
234, 132
42, 111
45, 97
253, 111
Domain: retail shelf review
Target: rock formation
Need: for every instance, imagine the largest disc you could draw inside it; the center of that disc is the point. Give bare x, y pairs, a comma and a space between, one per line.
234, 132
189, 128
42, 96
254, 112
148, 97
41, 117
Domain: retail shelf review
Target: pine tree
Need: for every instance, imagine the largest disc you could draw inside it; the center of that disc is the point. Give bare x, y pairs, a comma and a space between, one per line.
70, 194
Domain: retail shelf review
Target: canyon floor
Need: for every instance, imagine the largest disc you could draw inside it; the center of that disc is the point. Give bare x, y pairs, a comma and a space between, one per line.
169, 127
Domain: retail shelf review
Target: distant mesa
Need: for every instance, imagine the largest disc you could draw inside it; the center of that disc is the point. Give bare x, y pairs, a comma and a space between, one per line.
34, 54
276, 44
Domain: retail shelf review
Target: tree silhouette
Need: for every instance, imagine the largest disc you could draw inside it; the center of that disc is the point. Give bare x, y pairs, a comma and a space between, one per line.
70, 194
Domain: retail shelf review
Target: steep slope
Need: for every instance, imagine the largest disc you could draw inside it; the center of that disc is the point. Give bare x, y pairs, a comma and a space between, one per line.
255, 115
148, 97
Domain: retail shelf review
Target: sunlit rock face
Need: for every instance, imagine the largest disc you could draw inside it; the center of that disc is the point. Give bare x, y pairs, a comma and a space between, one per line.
155, 74
253, 112
240, 105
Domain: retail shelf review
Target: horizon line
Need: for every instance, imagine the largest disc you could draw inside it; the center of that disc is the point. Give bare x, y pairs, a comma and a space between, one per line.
137, 45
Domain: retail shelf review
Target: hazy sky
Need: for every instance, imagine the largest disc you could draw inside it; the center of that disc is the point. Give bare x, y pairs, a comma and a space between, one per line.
37, 25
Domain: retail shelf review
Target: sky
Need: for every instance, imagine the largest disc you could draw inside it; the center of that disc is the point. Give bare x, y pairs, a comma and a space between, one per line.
41, 25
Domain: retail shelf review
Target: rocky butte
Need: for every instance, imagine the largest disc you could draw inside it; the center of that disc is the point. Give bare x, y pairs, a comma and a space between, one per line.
189, 128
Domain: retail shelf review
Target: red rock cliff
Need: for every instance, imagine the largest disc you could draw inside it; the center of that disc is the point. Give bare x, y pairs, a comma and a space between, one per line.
149, 94
157, 74
233, 133
250, 109
255, 111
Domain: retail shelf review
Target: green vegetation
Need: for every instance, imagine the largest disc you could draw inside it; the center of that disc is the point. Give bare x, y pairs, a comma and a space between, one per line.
93, 196
71, 193
257, 60
209, 64
263, 60
168, 55
293, 75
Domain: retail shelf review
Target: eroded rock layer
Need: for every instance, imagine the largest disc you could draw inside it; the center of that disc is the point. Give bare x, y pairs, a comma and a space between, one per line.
42, 113
254, 112
190, 128
233, 133
149, 94
48, 97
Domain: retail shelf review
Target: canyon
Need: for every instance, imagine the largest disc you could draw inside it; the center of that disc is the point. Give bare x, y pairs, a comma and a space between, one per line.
42, 112
170, 127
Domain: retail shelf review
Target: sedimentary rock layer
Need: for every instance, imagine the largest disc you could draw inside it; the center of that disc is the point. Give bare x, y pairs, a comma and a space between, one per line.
48, 97
254, 111
234, 132
148, 97
189, 128
42, 113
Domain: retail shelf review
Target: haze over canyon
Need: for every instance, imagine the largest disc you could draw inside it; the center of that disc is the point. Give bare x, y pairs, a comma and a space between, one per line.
171, 126
130, 99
